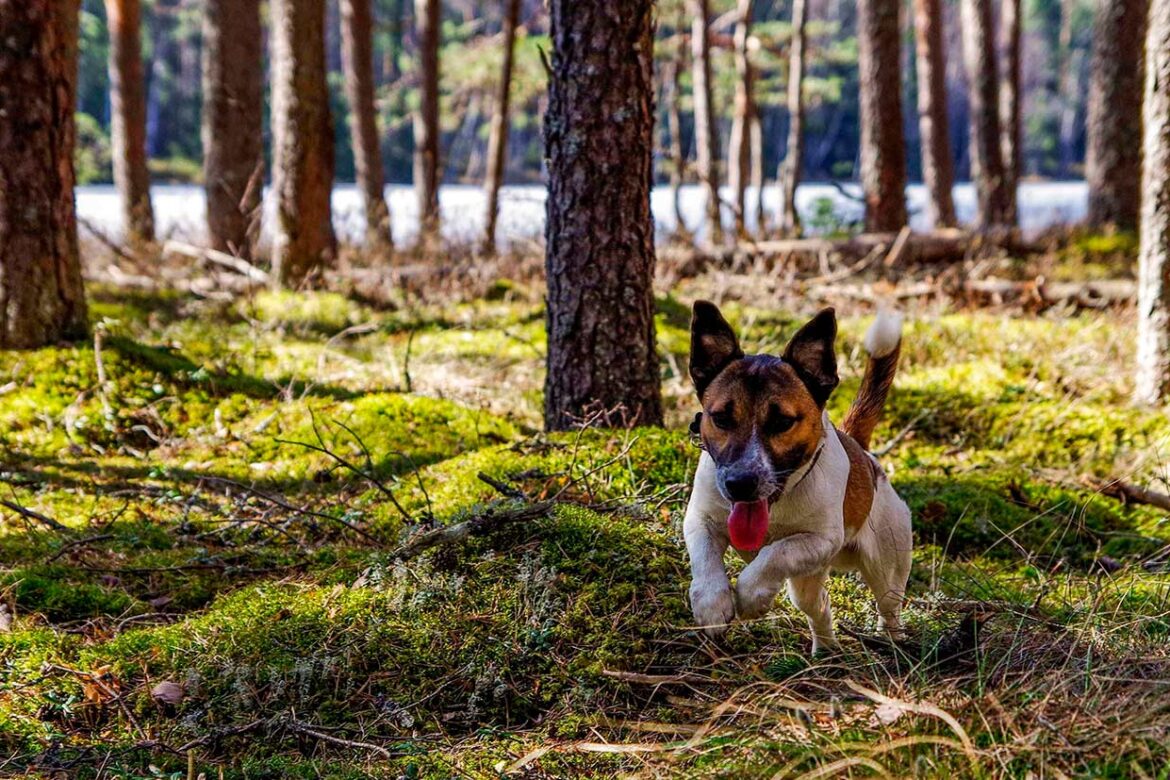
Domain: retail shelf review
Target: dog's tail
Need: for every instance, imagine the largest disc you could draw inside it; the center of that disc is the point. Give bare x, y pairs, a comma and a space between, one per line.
883, 342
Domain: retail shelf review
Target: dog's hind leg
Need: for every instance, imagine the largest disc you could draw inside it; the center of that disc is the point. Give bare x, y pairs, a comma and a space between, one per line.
884, 559
809, 595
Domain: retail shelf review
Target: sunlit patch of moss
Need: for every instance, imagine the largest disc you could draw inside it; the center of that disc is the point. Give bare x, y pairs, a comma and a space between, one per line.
305, 312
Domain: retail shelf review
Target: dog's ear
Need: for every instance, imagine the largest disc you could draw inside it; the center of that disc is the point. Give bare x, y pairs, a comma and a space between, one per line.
713, 345
811, 353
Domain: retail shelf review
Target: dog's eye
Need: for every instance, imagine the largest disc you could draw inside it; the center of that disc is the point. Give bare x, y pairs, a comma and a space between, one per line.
778, 422
723, 419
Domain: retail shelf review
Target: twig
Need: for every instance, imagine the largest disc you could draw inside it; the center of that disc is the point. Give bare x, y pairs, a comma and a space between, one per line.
1129, 493
897, 438
502, 488
653, 679
490, 520
310, 731
216, 257
31, 515
77, 543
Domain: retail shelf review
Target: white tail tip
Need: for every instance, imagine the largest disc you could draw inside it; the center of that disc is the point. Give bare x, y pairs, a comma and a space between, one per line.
884, 334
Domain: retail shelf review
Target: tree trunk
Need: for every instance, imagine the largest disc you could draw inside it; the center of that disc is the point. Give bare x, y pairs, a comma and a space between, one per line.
302, 143
986, 156
1153, 351
41, 294
706, 118
883, 149
1009, 106
788, 221
739, 148
599, 235
498, 140
938, 168
358, 60
672, 78
128, 118
233, 131
1113, 161
1069, 70
426, 122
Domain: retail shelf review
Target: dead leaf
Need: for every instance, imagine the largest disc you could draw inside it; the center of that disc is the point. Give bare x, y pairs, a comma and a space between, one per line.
167, 692
888, 713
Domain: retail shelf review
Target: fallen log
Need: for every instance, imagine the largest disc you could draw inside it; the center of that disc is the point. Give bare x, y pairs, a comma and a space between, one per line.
1098, 294
216, 257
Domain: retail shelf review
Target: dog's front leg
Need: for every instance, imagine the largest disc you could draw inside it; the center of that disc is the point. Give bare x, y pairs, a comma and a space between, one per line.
793, 556
711, 599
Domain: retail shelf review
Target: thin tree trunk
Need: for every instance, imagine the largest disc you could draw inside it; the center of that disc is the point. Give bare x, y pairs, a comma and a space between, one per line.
757, 177
672, 86
788, 220
706, 122
883, 149
739, 148
128, 118
602, 362
986, 155
426, 122
41, 295
938, 167
233, 133
1009, 106
358, 60
1068, 85
498, 140
302, 143
1153, 349
1113, 161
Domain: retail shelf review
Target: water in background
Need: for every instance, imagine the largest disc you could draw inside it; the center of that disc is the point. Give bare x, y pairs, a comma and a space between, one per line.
179, 209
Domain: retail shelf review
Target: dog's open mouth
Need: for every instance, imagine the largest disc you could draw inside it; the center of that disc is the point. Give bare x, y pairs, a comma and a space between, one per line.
748, 524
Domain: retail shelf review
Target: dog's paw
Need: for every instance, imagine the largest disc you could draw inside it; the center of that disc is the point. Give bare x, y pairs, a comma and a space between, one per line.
753, 599
713, 605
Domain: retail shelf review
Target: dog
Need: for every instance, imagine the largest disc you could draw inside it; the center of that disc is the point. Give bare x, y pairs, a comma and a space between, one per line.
793, 494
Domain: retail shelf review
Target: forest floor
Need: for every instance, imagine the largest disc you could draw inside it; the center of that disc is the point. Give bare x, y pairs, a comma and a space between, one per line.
202, 566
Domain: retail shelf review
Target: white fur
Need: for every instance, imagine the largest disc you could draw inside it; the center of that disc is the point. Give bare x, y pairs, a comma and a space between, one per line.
806, 537
884, 334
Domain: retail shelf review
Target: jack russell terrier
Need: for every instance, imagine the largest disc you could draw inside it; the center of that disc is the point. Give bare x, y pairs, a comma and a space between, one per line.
794, 495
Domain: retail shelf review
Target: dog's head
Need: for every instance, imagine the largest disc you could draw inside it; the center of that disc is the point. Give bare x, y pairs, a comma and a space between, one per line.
762, 414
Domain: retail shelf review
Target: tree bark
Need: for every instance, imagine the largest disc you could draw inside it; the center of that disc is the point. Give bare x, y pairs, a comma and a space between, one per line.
599, 235
706, 122
233, 130
128, 118
1070, 65
788, 220
986, 156
302, 144
883, 149
672, 79
358, 61
1153, 349
41, 295
1009, 106
938, 167
426, 121
739, 148
1113, 161
497, 161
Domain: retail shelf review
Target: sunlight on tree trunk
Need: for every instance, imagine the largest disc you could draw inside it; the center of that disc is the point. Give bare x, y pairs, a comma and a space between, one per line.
41, 295
739, 148
498, 140
883, 149
128, 118
938, 171
706, 118
428, 18
788, 175
983, 80
1009, 107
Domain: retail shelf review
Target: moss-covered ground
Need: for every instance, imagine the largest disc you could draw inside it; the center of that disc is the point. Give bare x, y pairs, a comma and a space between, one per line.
198, 561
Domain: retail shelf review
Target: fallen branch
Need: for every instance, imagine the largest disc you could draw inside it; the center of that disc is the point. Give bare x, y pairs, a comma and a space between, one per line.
236, 264
653, 679
29, 514
1128, 493
491, 519
310, 731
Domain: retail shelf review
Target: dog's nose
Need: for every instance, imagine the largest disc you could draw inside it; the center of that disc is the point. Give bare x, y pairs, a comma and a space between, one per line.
742, 486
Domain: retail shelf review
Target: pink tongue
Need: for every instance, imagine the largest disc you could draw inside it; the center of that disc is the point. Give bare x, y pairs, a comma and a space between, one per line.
748, 524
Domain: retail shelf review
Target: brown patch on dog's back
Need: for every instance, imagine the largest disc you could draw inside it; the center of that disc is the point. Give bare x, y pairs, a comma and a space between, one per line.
860, 487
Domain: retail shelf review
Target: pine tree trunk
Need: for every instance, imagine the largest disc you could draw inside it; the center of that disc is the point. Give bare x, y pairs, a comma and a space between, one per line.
41, 295
602, 362
1069, 86
1113, 161
426, 122
233, 131
1153, 351
497, 161
358, 61
788, 221
883, 149
938, 169
706, 121
1009, 106
128, 118
302, 143
672, 87
739, 148
986, 156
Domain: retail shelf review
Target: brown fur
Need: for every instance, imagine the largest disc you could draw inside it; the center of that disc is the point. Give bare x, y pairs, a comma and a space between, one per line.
866, 411
751, 389
859, 489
